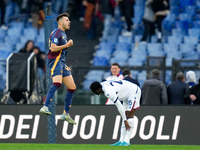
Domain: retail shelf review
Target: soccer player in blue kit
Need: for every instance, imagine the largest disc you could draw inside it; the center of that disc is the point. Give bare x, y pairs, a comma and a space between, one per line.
60, 72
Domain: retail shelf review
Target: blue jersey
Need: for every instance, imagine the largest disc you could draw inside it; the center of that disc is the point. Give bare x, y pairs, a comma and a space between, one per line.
58, 37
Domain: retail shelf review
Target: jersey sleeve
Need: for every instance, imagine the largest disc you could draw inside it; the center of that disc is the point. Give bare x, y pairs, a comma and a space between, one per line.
56, 37
111, 94
55, 40
121, 109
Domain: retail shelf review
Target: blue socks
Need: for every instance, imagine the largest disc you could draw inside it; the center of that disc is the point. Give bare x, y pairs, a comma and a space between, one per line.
68, 96
51, 93
68, 100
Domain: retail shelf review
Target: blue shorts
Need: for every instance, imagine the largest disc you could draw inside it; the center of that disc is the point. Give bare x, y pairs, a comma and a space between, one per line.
58, 68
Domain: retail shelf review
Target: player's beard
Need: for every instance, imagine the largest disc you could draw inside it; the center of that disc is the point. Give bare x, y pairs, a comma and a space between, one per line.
66, 27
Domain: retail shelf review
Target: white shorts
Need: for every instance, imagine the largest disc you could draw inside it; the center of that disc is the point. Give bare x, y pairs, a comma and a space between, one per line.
133, 101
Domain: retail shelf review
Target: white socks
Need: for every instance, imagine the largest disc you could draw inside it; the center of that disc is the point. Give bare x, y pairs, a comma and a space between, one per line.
125, 135
123, 132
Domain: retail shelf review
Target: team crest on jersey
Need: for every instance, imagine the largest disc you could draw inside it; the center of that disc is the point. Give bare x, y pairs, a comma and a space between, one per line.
63, 37
55, 40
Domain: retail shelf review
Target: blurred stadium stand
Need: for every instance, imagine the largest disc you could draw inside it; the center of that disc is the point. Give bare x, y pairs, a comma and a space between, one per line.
181, 29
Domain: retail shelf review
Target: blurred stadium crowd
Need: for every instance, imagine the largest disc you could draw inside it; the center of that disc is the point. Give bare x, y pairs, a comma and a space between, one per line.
23, 21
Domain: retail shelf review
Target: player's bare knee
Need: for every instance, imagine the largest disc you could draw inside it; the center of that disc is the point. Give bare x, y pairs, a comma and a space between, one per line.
72, 87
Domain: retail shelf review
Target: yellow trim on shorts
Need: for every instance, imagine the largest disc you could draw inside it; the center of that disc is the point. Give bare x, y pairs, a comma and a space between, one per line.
55, 63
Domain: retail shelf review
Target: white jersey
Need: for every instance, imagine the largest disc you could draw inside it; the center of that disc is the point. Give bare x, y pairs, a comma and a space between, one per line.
122, 90
112, 78
118, 88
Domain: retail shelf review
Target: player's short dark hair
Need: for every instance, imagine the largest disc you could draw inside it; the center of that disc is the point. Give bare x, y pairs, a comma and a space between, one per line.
155, 73
95, 86
61, 15
180, 76
126, 71
115, 64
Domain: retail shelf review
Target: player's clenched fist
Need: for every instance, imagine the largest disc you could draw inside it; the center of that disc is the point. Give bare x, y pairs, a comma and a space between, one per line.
69, 43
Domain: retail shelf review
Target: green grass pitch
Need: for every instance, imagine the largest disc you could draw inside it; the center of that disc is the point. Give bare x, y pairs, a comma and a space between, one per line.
25, 146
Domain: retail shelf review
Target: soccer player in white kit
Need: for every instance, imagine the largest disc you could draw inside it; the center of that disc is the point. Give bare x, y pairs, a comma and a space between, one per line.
115, 71
127, 92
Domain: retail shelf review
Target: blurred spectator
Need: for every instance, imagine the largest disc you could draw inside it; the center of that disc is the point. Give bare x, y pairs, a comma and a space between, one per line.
115, 71
40, 56
27, 47
153, 90
80, 9
3, 10
12, 11
177, 90
161, 9
46, 2
37, 13
128, 76
148, 21
190, 78
17, 9
25, 6
126, 7
194, 94
60, 6
89, 18
106, 8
